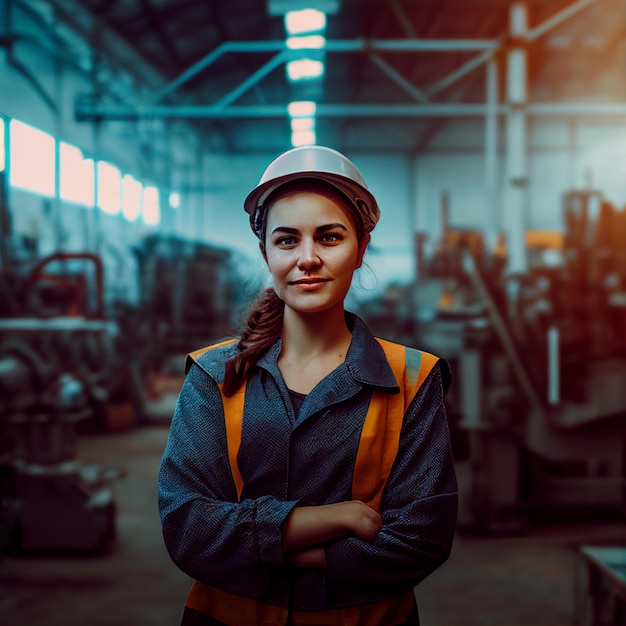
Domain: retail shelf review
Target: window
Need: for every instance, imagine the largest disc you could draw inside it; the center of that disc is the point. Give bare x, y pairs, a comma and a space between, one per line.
33, 159
3, 160
131, 197
151, 209
109, 188
76, 176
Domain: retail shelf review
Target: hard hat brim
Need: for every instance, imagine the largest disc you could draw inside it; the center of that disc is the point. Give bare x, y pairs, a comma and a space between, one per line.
357, 195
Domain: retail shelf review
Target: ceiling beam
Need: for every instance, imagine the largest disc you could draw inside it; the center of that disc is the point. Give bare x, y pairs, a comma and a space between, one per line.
338, 45
396, 77
88, 111
557, 18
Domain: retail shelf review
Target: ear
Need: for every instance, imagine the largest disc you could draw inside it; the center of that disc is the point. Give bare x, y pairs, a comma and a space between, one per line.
362, 249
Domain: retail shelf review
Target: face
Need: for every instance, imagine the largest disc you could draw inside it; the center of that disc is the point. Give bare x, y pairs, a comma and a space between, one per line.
312, 251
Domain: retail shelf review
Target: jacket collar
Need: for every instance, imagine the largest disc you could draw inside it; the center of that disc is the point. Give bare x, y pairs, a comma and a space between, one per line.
365, 362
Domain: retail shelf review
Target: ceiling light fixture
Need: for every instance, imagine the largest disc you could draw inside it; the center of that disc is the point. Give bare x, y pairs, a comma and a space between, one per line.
302, 123
304, 69
306, 42
305, 21
303, 138
301, 108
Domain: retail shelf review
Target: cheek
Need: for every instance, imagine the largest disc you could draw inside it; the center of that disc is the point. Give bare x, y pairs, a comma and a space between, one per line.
275, 263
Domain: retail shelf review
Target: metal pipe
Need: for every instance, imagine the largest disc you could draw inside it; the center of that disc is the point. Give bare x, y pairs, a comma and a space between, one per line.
85, 111
263, 71
32, 278
491, 154
502, 330
192, 71
466, 68
516, 190
338, 45
554, 366
557, 18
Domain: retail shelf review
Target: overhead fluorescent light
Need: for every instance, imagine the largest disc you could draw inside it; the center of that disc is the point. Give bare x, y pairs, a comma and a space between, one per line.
280, 7
304, 69
303, 138
301, 108
305, 21
307, 42
302, 123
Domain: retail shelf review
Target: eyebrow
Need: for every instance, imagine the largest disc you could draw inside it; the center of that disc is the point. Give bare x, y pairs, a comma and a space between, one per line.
319, 229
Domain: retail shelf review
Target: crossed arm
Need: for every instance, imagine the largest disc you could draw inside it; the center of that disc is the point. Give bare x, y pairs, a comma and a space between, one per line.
307, 528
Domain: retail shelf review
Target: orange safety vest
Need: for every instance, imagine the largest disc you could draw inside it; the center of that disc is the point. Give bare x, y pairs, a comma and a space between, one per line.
378, 447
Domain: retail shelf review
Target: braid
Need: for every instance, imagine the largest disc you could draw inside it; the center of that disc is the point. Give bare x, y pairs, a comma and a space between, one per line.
264, 327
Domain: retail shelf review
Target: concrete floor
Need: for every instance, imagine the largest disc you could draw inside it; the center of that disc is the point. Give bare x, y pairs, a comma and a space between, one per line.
501, 581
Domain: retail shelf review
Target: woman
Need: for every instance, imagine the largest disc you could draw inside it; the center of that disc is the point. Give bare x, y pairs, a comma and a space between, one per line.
308, 476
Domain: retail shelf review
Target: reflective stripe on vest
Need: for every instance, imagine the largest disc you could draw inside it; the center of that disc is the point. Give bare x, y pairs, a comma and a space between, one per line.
378, 447
234, 610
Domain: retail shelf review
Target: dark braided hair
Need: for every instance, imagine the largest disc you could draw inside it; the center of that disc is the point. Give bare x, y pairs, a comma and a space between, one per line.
264, 328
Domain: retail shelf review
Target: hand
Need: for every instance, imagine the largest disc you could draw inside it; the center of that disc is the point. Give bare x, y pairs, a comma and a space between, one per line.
312, 525
361, 520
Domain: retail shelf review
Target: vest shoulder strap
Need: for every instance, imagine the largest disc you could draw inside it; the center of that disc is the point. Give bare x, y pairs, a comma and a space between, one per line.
196, 354
233, 416
380, 436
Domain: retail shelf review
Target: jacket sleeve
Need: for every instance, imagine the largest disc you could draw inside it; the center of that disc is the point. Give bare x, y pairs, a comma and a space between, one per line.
418, 507
208, 534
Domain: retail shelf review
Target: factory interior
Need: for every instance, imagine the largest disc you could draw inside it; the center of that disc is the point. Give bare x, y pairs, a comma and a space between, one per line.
493, 135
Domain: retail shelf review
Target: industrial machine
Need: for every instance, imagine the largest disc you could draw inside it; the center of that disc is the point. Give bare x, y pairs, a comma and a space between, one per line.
538, 403
191, 294
542, 376
58, 372
48, 499
71, 364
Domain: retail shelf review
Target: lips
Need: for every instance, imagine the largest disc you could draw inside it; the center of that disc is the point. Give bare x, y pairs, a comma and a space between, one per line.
309, 281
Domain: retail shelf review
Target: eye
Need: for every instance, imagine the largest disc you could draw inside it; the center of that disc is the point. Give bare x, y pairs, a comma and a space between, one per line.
331, 238
285, 241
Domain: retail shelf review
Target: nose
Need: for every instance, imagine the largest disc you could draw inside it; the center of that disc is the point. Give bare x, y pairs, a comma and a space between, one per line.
308, 258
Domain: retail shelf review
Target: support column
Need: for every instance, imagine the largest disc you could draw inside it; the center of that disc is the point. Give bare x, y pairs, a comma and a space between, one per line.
516, 188
494, 220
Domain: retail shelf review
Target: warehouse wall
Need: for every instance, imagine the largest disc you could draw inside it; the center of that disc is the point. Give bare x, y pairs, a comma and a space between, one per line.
409, 188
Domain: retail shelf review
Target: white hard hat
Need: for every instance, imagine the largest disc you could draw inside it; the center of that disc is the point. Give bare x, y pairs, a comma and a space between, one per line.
319, 163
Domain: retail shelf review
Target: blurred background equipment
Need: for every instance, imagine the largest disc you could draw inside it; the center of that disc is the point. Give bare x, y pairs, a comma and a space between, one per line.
538, 407
71, 364
58, 372
50, 500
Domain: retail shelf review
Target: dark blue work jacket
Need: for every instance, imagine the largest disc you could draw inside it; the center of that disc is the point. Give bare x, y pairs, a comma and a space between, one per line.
308, 459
